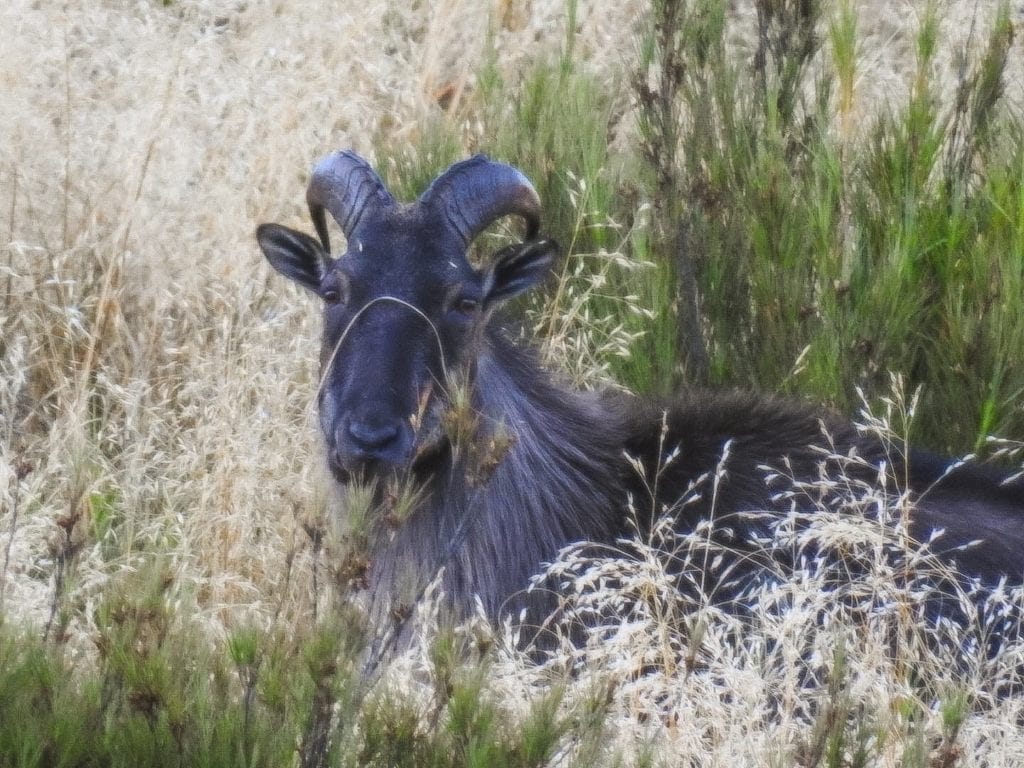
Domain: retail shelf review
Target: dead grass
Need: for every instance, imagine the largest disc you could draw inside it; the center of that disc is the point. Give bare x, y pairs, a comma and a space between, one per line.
155, 379
809, 667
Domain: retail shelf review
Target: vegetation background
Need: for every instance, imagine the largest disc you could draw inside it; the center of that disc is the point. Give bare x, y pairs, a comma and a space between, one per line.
776, 195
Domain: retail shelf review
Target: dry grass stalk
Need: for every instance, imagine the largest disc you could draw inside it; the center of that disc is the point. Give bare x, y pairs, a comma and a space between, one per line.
145, 348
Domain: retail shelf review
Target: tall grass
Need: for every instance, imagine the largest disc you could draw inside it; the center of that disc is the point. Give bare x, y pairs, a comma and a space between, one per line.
829, 253
733, 209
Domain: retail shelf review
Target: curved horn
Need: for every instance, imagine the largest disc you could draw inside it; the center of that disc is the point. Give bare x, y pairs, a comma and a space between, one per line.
344, 184
475, 192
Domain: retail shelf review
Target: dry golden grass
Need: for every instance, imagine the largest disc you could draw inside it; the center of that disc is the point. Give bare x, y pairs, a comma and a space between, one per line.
152, 364
155, 377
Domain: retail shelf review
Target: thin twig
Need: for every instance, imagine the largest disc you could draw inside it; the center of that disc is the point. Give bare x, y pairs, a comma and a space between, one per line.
8, 290
67, 133
21, 469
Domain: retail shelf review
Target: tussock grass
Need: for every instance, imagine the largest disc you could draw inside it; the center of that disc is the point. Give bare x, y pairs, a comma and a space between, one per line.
170, 582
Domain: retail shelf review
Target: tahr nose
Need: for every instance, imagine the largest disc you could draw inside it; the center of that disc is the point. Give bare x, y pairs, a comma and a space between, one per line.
376, 439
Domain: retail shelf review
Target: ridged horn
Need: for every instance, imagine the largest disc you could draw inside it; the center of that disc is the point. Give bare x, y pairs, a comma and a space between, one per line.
345, 185
475, 192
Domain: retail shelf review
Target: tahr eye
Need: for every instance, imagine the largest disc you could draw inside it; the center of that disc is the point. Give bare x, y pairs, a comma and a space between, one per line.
335, 292
466, 306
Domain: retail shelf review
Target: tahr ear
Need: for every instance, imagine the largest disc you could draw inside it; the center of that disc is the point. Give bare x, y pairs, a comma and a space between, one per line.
294, 254
517, 268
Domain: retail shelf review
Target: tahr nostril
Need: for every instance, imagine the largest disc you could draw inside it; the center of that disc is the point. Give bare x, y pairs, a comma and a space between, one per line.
371, 436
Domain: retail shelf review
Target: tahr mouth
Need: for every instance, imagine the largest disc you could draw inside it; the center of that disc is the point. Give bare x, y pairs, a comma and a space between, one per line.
340, 473
431, 438
428, 449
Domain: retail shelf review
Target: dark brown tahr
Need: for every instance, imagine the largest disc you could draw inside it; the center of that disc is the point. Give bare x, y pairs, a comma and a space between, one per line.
420, 381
